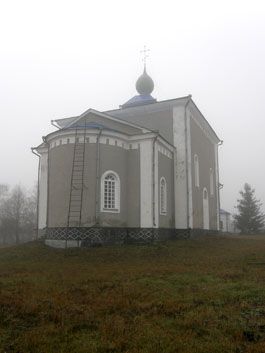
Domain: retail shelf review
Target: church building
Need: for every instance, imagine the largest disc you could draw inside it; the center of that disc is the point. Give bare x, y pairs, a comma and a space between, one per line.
145, 171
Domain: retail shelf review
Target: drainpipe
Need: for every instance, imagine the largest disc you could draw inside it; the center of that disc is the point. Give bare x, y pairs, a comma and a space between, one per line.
186, 162
38, 191
97, 210
153, 181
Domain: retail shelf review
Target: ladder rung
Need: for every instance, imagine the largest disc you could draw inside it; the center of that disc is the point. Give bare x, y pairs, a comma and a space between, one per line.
77, 179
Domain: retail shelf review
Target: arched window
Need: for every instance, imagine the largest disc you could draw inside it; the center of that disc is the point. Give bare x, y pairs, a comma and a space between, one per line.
196, 171
110, 192
163, 196
211, 182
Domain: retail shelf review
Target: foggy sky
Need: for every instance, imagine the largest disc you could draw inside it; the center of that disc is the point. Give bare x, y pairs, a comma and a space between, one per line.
59, 58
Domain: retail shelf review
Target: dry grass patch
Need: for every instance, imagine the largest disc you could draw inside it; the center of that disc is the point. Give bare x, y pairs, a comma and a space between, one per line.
203, 295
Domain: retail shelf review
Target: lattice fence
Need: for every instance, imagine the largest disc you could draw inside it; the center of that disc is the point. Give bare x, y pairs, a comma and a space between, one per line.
101, 235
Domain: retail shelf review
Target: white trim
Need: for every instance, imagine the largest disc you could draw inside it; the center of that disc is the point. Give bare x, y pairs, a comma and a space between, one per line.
180, 168
165, 152
43, 190
190, 210
123, 140
146, 183
156, 198
117, 192
175, 186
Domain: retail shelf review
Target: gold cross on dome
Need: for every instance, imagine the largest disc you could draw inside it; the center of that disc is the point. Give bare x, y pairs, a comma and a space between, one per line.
145, 52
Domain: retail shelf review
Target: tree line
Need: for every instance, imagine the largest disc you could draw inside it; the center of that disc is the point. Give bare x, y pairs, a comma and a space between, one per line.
17, 214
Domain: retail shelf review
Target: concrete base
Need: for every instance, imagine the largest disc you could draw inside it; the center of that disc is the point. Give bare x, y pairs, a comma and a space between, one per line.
62, 244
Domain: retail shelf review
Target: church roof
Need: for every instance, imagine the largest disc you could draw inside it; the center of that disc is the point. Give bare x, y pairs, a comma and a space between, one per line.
159, 105
75, 121
143, 108
140, 99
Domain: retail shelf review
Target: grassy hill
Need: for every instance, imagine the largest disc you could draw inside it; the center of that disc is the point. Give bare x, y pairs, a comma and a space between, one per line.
205, 295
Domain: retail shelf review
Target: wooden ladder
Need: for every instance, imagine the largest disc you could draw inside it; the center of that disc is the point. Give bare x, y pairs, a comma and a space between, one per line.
77, 181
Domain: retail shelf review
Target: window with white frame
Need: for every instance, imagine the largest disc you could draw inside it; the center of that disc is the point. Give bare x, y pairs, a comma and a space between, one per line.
163, 196
211, 182
110, 192
196, 171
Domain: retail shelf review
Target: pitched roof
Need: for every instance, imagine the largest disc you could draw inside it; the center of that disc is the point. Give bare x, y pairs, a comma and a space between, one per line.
119, 113
77, 121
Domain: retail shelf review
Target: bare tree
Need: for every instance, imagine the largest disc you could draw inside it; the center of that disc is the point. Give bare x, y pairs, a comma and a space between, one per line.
18, 215
3, 195
3, 191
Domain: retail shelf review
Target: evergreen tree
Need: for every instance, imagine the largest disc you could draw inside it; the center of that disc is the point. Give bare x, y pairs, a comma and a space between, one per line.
250, 218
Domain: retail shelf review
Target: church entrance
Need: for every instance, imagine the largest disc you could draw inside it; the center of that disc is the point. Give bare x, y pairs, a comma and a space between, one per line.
206, 222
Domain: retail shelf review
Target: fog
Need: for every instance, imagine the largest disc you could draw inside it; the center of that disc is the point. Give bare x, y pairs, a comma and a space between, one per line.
59, 58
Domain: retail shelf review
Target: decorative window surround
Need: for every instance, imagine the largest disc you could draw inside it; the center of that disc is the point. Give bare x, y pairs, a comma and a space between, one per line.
110, 192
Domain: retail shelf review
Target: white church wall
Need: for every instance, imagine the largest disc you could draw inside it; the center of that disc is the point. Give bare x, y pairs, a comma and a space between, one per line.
226, 222
217, 186
146, 183
180, 170
189, 181
156, 181
204, 148
43, 178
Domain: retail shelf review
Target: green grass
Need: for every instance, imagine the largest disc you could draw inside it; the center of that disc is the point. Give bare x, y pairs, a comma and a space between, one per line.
204, 295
